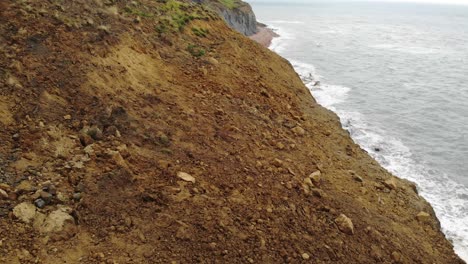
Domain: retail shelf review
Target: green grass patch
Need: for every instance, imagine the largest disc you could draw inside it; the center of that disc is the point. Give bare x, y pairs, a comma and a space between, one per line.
229, 3
200, 32
195, 50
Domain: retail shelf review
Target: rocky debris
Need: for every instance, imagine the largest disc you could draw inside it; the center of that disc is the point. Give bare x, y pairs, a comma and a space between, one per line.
186, 177
345, 224
305, 256
25, 212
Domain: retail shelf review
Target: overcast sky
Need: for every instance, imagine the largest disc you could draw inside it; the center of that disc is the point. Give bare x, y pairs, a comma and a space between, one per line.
461, 2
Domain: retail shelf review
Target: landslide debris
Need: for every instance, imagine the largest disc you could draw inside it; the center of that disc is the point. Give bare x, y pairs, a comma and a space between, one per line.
150, 132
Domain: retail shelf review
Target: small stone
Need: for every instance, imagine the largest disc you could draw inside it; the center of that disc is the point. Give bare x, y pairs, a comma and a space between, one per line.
423, 217
280, 146
186, 177
277, 163
67, 117
345, 224
47, 197
213, 61
40, 203
397, 258
24, 212
308, 182
358, 178
16, 137
305, 256
298, 131
391, 183
86, 140
3, 195
77, 196
317, 193
316, 178
95, 132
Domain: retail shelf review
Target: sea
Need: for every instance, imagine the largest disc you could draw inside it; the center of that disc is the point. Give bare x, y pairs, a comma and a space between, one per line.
397, 76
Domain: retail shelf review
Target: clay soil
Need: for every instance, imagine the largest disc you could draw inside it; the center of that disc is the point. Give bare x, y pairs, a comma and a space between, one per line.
103, 112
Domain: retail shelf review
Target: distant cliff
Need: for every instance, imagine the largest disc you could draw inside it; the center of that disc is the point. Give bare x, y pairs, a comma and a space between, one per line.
237, 14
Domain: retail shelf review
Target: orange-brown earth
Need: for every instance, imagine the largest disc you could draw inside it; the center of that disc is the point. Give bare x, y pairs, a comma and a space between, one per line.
126, 141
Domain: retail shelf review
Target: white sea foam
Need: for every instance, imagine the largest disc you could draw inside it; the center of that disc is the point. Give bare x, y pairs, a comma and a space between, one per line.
279, 43
448, 198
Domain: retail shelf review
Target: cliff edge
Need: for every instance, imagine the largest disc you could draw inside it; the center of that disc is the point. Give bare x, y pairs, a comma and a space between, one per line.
150, 132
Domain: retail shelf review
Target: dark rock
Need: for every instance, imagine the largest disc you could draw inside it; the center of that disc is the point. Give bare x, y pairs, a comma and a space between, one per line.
86, 140
39, 203
95, 133
77, 196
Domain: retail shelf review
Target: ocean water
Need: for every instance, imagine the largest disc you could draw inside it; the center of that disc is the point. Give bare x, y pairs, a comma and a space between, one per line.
397, 76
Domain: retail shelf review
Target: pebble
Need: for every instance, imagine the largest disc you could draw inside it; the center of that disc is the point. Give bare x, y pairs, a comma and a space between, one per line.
298, 131
345, 224
305, 256
391, 183
316, 178
3, 194
186, 177
357, 178
77, 196
67, 117
40, 203
423, 217
277, 163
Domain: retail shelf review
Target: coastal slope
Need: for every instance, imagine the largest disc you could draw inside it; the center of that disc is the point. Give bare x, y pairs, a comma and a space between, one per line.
151, 132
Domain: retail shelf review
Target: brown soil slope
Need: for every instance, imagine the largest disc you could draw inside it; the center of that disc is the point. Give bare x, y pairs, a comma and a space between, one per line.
146, 135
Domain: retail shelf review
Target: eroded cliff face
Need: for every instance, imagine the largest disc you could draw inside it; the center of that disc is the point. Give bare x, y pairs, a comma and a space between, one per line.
239, 16
150, 132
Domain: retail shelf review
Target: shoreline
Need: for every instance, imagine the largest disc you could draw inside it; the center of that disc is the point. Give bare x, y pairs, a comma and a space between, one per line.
264, 36
434, 205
